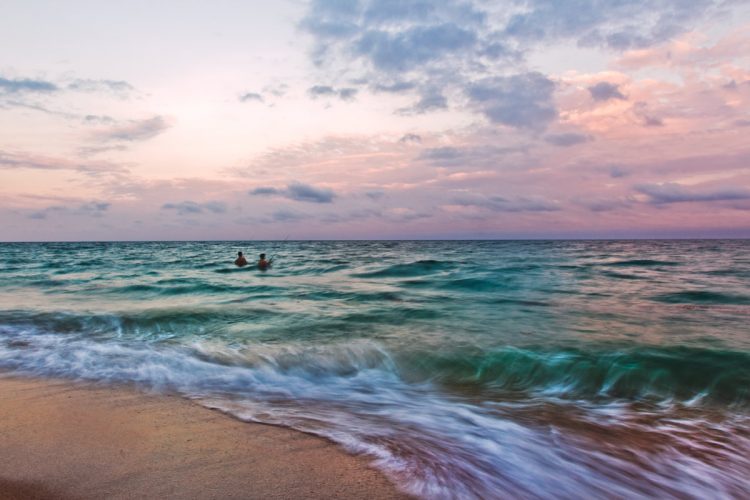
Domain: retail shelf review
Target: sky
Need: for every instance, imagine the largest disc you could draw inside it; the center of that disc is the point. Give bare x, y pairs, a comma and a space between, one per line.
374, 119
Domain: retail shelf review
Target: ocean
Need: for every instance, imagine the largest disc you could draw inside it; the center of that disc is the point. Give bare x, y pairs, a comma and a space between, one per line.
463, 369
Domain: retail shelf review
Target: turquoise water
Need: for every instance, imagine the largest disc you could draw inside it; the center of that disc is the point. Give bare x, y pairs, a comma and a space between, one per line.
463, 369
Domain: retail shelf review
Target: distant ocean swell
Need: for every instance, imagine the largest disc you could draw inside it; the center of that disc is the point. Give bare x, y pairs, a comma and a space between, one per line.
656, 374
532, 370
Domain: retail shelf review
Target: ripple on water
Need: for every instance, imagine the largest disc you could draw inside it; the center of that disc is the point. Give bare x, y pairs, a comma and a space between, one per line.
702, 297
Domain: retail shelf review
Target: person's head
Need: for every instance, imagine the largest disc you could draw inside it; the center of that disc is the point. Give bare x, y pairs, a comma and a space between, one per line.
239, 254
262, 256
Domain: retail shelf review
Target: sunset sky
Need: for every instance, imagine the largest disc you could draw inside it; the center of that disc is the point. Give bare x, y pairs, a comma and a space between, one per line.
374, 119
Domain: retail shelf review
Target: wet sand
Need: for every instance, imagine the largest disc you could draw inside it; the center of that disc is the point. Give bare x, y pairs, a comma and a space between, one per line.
66, 440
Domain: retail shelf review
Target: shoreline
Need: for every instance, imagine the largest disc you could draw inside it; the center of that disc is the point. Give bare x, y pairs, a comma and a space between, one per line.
71, 440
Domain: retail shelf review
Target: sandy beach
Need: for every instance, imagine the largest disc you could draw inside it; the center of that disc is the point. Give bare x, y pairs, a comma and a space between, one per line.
65, 440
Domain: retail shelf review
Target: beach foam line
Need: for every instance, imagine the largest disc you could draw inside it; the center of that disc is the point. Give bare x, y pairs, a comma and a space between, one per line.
434, 443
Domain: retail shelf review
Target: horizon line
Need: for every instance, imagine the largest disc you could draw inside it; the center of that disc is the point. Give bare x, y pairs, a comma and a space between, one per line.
334, 240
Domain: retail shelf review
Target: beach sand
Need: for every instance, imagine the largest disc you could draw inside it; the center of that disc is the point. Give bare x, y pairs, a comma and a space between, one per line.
67, 440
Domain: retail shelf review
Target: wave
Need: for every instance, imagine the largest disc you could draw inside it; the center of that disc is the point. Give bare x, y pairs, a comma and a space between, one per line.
522, 302
634, 374
731, 272
702, 297
187, 287
474, 284
148, 324
235, 269
459, 283
699, 375
623, 276
418, 268
328, 269
238, 319
641, 263
435, 443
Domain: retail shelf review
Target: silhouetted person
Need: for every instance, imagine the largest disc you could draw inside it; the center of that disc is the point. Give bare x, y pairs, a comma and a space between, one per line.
241, 260
263, 263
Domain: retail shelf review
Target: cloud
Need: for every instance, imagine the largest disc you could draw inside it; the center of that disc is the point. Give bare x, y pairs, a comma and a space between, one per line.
394, 87
432, 100
98, 119
604, 91
503, 204
287, 216
10, 161
20, 103
405, 50
413, 46
498, 51
616, 172
405, 214
444, 154
95, 150
265, 191
25, 104
43, 213
192, 207
647, 119
386, 11
13, 86
295, 156
345, 94
375, 195
282, 215
599, 204
410, 139
384, 40
91, 208
134, 130
251, 96
297, 191
216, 207
305, 192
321, 90
95, 206
184, 208
332, 19
734, 86
521, 101
672, 192
117, 87
567, 139
354, 215
480, 155
615, 24
277, 90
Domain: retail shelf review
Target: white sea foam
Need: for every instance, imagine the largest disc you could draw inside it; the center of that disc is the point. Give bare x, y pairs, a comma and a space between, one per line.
431, 443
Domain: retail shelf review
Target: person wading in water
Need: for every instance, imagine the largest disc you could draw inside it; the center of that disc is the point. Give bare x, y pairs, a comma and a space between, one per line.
241, 260
263, 263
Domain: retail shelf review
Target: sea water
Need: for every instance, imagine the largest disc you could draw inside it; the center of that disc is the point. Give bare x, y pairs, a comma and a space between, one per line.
464, 369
